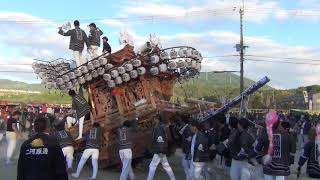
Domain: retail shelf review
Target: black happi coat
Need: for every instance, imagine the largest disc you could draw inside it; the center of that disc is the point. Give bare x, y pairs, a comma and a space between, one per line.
283, 148
94, 37
213, 139
94, 138
246, 146
77, 39
240, 145
233, 144
201, 153
80, 105
311, 153
126, 135
186, 137
64, 138
159, 139
41, 158
224, 134
106, 47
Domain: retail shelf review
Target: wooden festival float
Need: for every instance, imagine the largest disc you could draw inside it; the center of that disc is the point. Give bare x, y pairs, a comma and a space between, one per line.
126, 85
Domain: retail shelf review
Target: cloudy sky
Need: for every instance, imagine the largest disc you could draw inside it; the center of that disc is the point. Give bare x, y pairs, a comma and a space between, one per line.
282, 35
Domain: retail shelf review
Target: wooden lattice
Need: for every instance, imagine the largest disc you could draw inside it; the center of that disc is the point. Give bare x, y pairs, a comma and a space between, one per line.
141, 98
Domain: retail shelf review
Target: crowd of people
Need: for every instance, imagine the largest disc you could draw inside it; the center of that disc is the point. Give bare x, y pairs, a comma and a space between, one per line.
29, 112
227, 146
242, 148
222, 146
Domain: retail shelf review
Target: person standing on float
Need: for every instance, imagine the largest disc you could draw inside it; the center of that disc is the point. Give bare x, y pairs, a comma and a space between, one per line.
77, 39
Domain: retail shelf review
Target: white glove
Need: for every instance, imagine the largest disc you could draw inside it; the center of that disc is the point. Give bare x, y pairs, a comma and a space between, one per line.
189, 139
212, 147
225, 142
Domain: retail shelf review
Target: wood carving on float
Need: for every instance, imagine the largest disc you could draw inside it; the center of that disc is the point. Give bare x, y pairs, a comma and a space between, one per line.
126, 85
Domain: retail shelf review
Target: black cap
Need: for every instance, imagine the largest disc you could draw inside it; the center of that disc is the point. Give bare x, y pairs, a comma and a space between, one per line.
72, 93
196, 124
105, 37
93, 25
244, 123
221, 118
76, 23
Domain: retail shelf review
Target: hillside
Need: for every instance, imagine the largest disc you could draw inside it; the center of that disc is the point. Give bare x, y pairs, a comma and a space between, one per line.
206, 85
213, 85
205, 80
45, 95
17, 85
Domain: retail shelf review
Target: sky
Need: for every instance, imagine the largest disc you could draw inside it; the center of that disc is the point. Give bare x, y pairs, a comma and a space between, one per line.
282, 35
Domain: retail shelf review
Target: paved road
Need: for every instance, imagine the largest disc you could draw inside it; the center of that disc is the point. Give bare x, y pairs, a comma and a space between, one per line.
9, 172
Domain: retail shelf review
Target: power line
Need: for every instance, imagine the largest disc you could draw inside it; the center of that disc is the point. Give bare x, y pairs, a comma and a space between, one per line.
279, 9
15, 64
289, 58
222, 72
287, 11
16, 72
138, 18
285, 62
270, 61
210, 57
221, 11
263, 56
246, 59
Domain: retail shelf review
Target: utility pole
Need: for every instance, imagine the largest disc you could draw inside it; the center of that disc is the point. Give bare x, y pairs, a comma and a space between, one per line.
241, 50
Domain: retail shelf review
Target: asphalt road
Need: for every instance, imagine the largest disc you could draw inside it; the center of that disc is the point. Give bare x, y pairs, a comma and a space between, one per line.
141, 171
